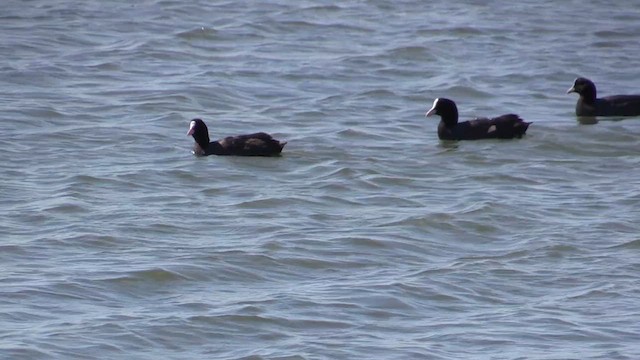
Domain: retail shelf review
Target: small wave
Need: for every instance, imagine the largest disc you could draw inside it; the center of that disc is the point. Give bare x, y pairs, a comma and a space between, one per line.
358, 134
106, 66
89, 241
378, 93
88, 179
334, 27
199, 33
450, 31
633, 245
67, 208
458, 91
314, 264
322, 8
157, 275
602, 292
419, 220
360, 242
45, 113
615, 34
20, 351
607, 44
270, 203
241, 320
409, 52
561, 250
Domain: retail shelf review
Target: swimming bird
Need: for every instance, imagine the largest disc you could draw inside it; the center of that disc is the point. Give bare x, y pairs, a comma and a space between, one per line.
502, 127
589, 104
258, 144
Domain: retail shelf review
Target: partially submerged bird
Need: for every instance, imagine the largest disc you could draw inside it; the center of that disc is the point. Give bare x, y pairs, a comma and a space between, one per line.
258, 144
502, 127
590, 105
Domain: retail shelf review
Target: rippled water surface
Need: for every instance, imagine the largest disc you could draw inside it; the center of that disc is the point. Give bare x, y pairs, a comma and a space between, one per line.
369, 238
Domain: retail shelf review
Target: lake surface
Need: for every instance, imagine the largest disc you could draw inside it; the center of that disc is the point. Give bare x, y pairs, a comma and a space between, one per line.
369, 238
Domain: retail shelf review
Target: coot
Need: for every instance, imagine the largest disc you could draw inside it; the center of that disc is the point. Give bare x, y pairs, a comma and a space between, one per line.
258, 144
502, 127
590, 105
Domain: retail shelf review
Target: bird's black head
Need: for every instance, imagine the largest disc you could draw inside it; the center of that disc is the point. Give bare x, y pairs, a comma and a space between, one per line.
447, 110
585, 88
200, 133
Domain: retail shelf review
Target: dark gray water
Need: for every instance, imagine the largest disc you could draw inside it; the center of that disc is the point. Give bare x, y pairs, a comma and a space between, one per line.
369, 238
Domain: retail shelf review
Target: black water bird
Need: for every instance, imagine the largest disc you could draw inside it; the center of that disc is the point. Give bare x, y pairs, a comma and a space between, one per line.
590, 105
258, 144
507, 126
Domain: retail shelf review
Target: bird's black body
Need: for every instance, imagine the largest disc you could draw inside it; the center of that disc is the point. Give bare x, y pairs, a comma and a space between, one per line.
257, 144
590, 105
507, 126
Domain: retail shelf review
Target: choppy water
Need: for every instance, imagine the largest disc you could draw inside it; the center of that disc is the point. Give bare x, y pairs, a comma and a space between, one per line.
369, 238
